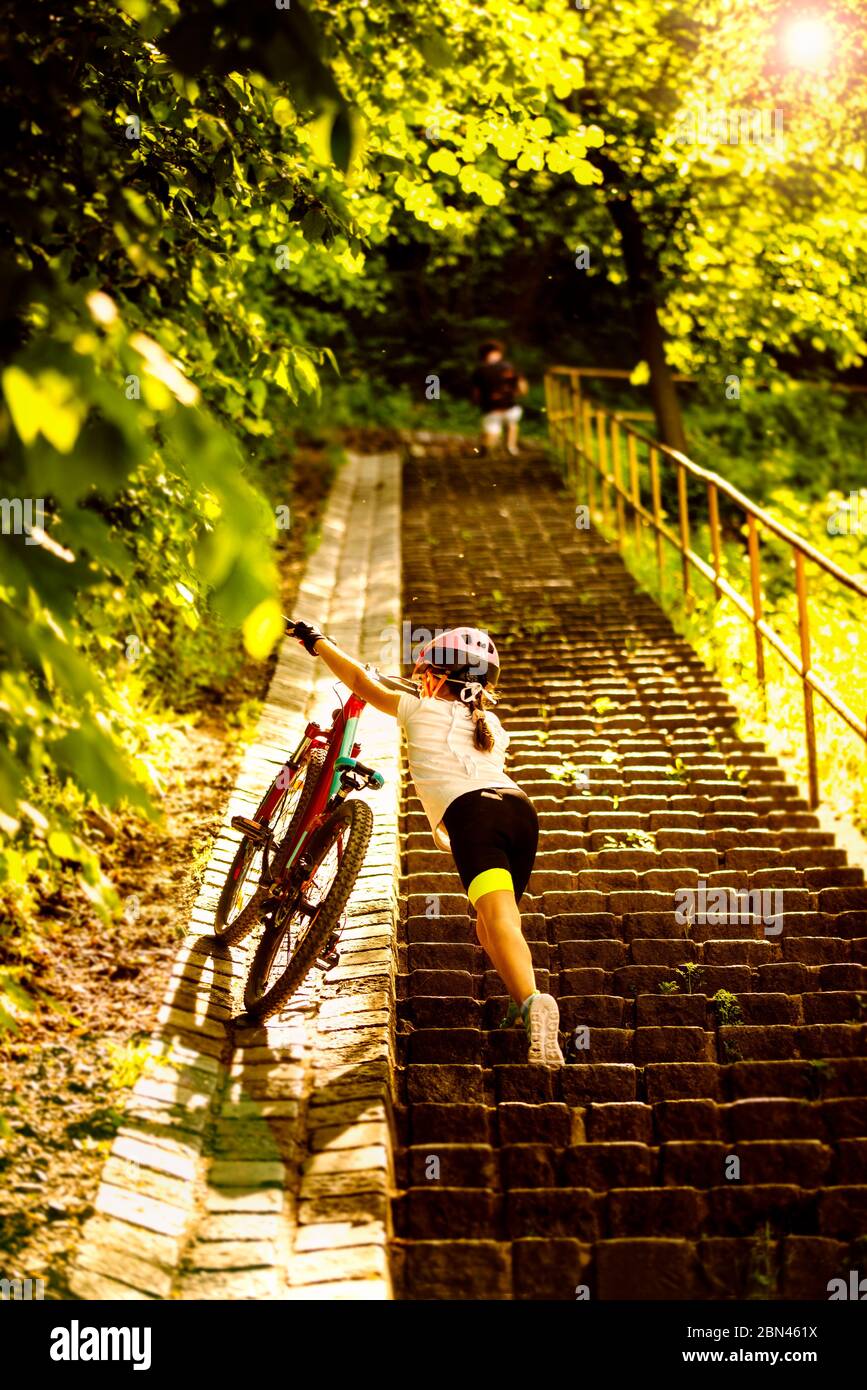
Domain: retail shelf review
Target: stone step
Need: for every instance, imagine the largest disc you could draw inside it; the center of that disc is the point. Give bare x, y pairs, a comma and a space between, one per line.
611, 1172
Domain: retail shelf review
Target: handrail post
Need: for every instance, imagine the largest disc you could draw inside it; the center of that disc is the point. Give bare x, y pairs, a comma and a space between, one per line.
575, 385
683, 519
548, 378
568, 427
634, 486
555, 417
618, 486
602, 461
756, 590
713, 519
565, 421
563, 412
587, 435
809, 717
657, 513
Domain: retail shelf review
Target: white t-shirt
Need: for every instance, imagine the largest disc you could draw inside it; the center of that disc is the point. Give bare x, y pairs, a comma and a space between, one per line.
444, 763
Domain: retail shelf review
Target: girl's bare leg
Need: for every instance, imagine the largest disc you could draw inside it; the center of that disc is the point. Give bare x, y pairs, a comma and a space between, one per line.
498, 927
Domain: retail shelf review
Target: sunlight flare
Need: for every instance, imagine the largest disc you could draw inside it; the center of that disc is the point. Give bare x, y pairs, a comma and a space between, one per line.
808, 42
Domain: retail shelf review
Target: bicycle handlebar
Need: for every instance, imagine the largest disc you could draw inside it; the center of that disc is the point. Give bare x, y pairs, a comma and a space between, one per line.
390, 682
394, 682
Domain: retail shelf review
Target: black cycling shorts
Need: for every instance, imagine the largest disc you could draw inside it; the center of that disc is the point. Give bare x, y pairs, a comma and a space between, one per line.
494, 834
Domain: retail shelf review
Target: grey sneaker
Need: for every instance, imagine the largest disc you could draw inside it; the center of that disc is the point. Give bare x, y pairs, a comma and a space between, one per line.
543, 1024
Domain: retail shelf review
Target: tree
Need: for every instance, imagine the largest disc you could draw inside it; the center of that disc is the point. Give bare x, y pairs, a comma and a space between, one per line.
186, 186
729, 247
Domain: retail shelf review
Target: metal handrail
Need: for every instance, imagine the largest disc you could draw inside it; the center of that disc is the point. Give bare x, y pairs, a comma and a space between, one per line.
575, 422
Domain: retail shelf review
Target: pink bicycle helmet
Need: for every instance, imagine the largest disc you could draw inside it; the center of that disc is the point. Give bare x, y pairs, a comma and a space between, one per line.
466, 653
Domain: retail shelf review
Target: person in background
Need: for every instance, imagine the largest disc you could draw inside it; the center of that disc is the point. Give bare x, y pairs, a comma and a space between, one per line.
496, 386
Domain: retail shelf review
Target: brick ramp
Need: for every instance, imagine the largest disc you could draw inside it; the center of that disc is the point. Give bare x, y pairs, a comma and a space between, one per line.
257, 1163
614, 1173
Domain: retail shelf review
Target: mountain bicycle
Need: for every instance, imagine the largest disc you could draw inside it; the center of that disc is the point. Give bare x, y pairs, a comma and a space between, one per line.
300, 855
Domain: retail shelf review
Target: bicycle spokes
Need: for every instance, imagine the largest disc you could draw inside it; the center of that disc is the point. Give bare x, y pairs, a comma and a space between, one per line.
251, 870
318, 885
316, 888
291, 920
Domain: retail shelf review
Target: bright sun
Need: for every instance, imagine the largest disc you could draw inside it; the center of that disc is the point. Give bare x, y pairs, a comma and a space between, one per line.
807, 42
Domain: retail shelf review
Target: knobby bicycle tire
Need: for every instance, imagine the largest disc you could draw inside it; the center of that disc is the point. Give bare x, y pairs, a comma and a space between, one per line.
239, 927
360, 827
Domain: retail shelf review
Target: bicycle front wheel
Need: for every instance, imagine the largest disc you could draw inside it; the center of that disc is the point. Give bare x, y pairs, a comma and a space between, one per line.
303, 926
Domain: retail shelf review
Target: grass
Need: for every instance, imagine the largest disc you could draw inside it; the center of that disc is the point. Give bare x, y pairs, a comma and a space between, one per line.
763, 1274
568, 771
728, 1010
630, 839
818, 1074
128, 1062
691, 974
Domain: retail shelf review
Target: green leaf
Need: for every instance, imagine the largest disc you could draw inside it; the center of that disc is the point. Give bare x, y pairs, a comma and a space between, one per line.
443, 162
281, 377
305, 372
64, 846
86, 755
435, 51
283, 112
262, 628
25, 403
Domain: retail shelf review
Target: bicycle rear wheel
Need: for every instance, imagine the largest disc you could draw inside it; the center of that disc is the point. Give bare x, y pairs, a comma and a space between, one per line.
244, 893
305, 924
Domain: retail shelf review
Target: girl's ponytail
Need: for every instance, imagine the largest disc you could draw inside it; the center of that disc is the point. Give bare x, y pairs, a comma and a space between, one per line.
474, 697
482, 736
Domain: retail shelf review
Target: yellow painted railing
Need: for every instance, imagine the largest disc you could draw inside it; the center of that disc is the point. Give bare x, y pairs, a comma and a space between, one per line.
601, 450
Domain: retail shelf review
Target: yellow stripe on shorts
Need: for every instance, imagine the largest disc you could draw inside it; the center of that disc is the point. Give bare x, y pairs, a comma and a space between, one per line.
487, 882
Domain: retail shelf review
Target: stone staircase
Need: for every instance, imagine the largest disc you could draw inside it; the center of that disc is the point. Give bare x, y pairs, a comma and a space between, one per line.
708, 1138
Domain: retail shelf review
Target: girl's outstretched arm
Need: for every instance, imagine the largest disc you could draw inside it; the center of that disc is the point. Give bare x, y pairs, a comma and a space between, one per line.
346, 669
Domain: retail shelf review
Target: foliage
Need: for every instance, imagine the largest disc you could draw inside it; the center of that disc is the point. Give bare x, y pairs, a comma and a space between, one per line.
735, 235
802, 436
567, 770
630, 839
141, 535
763, 1276
691, 974
129, 1062
725, 642
817, 1076
733, 242
728, 1010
